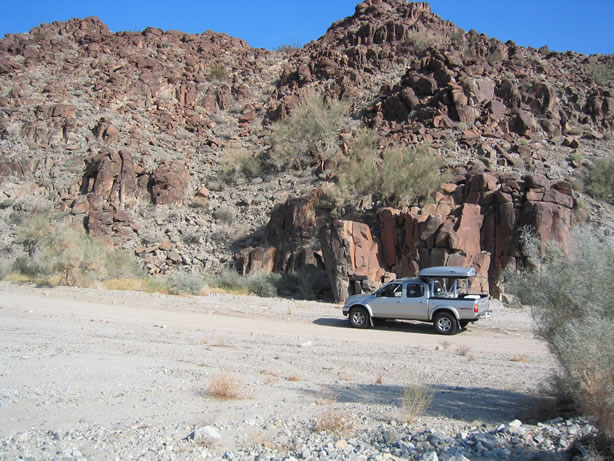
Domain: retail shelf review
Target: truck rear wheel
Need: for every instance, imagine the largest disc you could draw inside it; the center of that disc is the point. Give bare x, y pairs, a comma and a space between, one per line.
359, 317
445, 323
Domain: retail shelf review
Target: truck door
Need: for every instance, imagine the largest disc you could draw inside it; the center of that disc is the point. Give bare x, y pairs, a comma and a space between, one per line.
415, 302
388, 301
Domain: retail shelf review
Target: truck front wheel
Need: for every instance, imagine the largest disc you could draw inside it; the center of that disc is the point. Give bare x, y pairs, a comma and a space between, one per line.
445, 323
359, 317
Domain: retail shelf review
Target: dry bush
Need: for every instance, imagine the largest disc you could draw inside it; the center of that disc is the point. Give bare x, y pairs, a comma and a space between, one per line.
379, 380
293, 378
415, 401
224, 387
334, 421
327, 396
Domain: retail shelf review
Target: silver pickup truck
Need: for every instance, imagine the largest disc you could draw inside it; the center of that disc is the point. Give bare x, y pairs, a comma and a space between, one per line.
438, 295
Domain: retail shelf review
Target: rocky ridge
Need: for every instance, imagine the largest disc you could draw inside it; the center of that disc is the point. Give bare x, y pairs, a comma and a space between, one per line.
125, 132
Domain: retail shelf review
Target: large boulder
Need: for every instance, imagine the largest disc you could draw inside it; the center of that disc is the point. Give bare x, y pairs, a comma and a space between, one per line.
170, 183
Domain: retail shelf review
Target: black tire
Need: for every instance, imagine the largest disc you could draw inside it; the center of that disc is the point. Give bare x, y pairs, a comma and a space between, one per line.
445, 323
359, 317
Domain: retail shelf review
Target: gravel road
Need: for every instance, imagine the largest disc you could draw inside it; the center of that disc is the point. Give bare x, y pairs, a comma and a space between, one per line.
94, 374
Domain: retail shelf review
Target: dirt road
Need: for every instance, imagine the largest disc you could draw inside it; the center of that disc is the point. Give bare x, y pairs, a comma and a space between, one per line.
139, 362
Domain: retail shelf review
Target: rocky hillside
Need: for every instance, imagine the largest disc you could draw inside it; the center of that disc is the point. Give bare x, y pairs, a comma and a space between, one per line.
127, 132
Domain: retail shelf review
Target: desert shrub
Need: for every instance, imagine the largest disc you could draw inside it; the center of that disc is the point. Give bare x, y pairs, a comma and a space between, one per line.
216, 73
228, 280
183, 283
263, 285
422, 41
224, 214
224, 387
235, 162
335, 421
403, 175
155, 285
309, 133
288, 48
415, 401
602, 72
601, 179
307, 284
61, 252
573, 299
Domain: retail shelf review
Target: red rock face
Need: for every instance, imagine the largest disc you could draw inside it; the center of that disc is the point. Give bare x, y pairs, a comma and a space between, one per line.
170, 183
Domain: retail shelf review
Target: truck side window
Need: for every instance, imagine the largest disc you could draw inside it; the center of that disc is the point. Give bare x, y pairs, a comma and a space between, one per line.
391, 291
415, 290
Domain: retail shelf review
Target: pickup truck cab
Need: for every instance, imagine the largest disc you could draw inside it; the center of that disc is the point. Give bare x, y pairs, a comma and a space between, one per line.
438, 295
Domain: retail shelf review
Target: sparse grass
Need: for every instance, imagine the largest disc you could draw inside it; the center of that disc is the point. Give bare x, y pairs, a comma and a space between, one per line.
293, 378
415, 401
463, 349
224, 387
445, 345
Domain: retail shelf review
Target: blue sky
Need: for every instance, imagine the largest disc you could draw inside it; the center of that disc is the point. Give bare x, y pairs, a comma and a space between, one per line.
585, 26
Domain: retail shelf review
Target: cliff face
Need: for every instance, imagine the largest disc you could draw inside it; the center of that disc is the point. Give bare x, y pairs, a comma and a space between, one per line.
126, 132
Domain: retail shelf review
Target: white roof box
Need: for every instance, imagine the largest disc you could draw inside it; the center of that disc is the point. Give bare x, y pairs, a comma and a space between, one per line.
447, 271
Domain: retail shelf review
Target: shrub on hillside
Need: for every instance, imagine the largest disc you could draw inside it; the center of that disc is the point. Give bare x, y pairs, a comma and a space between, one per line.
186, 284
573, 299
309, 133
240, 162
401, 176
601, 179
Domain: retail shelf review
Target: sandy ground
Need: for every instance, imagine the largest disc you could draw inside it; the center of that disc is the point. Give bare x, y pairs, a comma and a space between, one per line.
73, 357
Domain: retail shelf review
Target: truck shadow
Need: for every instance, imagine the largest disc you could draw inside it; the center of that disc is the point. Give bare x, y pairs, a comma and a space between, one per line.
389, 325
470, 404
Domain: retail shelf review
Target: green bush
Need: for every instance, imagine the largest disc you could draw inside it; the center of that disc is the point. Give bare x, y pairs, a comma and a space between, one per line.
183, 283
308, 134
573, 299
601, 179
263, 285
60, 252
402, 176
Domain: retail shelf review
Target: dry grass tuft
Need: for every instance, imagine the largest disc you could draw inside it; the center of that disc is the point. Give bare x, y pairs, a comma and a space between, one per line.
415, 401
224, 387
520, 358
379, 380
293, 378
334, 421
